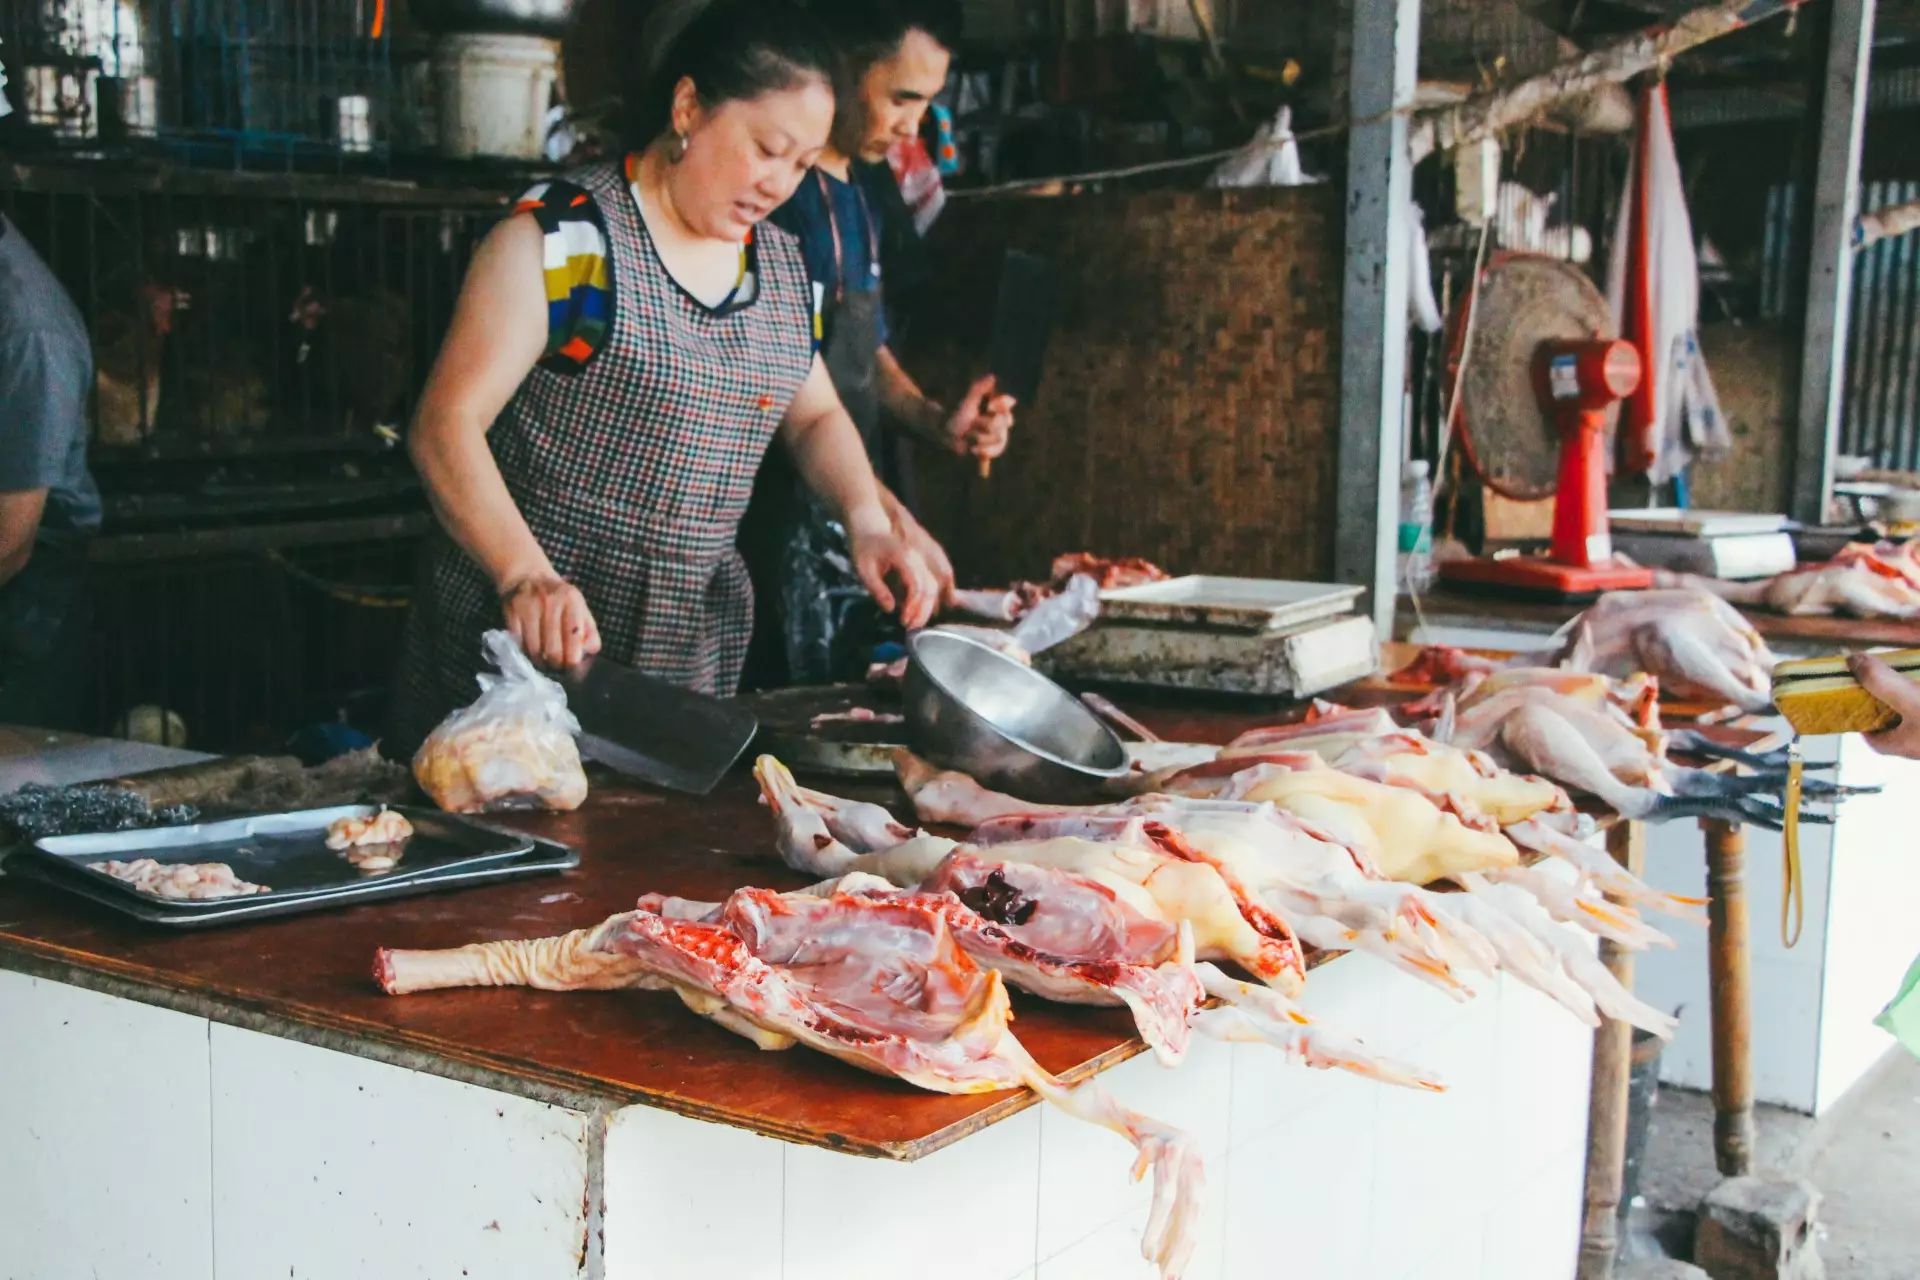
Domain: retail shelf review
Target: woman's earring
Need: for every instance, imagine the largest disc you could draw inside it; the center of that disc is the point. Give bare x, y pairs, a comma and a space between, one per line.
682, 143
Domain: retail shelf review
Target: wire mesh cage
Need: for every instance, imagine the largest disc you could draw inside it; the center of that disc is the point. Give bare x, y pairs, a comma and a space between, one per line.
242, 643
240, 80
230, 322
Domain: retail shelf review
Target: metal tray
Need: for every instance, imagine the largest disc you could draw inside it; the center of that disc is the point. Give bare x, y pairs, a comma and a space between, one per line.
1233, 604
544, 857
287, 852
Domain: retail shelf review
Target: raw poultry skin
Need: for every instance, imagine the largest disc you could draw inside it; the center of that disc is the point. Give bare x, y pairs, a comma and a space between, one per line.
1693, 642
1083, 920
882, 985
488, 764
1879, 581
1425, 935
1402, 833
184, 881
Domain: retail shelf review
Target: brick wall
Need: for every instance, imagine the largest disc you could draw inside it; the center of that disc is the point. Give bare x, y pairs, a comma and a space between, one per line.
1191, 393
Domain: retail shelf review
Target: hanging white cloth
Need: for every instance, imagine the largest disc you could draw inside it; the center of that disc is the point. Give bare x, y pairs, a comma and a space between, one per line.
1653, 286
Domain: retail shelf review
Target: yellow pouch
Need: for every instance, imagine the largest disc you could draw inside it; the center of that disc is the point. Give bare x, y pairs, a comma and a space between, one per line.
1819, 695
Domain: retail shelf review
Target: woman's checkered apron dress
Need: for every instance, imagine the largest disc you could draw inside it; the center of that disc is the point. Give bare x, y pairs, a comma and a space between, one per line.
632, 472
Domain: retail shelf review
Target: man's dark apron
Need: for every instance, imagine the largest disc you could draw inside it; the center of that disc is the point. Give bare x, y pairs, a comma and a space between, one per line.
821, 621
45, 632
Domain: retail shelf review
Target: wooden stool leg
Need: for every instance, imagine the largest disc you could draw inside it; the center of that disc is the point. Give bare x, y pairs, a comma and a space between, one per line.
1730, 968
1607, 1104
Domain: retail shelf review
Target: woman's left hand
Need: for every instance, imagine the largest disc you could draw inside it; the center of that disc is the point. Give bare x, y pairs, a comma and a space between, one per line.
883, 558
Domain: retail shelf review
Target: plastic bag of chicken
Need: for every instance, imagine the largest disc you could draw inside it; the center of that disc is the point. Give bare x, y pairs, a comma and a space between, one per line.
513, 748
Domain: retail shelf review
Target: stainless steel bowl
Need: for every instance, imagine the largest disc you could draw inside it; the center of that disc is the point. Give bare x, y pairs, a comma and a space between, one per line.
972, 708
500, 17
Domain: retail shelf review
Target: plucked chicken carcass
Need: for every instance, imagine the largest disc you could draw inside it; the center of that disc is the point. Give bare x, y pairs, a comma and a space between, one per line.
879, 983
1690, 642
1862, 581
1693, 642
1227, 923
1532, 811
1597, 749
1063, 929
1263, 848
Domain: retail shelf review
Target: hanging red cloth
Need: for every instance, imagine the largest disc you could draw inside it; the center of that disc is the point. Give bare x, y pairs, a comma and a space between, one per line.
1653, 285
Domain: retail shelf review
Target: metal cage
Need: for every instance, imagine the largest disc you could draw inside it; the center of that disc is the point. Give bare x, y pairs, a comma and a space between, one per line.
250, 318
239, 80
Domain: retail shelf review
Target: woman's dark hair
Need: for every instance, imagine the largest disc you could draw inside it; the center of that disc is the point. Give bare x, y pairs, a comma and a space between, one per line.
732, 50
865, 31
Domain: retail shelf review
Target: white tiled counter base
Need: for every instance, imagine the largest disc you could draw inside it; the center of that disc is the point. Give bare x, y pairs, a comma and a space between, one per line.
145, 1144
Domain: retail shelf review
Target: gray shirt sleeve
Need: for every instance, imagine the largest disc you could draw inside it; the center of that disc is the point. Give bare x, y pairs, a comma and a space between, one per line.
43, 408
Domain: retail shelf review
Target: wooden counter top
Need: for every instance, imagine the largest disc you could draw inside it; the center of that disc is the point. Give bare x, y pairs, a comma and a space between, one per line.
309, 978
1460, 608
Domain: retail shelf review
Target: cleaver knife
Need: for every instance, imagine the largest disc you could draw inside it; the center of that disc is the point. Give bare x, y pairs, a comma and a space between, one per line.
646, 728
1023, 317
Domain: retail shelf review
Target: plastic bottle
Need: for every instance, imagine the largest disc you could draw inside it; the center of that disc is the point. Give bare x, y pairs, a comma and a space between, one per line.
1416, 528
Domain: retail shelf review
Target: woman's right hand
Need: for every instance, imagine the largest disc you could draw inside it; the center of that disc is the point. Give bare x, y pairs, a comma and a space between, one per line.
549, 618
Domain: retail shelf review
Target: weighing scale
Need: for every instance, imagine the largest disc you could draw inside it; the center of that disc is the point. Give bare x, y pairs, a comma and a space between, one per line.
1534, 416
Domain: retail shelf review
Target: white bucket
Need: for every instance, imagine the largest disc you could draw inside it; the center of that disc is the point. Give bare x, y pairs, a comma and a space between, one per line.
493, 93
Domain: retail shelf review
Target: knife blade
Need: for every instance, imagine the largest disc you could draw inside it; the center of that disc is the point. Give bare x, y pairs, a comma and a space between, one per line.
650, 729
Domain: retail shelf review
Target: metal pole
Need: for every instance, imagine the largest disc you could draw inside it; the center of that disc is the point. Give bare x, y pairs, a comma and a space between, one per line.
1843, 105
1373, 362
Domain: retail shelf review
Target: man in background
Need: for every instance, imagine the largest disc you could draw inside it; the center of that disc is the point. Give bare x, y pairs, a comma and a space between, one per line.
812, 623
49, 506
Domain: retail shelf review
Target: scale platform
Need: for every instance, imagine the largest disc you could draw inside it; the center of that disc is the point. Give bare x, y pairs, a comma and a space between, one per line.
1536, 577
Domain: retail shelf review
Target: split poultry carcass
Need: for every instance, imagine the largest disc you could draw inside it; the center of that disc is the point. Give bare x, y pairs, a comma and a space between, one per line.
1071, 922
1057, 935
1596, 750
1863, 581
1694, 643
1471, 930
882, 984
1226, 924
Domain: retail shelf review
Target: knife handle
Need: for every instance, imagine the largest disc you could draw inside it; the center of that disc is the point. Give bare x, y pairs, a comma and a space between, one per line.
986, 468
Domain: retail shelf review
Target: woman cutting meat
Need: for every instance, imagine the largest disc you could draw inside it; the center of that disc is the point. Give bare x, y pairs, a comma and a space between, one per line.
623, 351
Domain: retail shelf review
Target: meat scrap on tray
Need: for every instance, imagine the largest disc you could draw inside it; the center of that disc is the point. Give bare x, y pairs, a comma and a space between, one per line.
181, 881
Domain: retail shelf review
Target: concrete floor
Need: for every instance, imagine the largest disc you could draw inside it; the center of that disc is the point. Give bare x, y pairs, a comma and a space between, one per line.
1863, 1156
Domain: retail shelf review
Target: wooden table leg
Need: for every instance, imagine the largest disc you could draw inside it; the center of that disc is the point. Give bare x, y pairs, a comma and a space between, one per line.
1730, 969
1607, 1104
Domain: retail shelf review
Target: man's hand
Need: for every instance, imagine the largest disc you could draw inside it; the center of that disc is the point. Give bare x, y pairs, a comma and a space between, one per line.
1898, 692
982, 423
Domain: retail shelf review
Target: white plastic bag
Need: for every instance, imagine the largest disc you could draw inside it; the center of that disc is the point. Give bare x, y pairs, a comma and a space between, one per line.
513, 748
1059, 617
